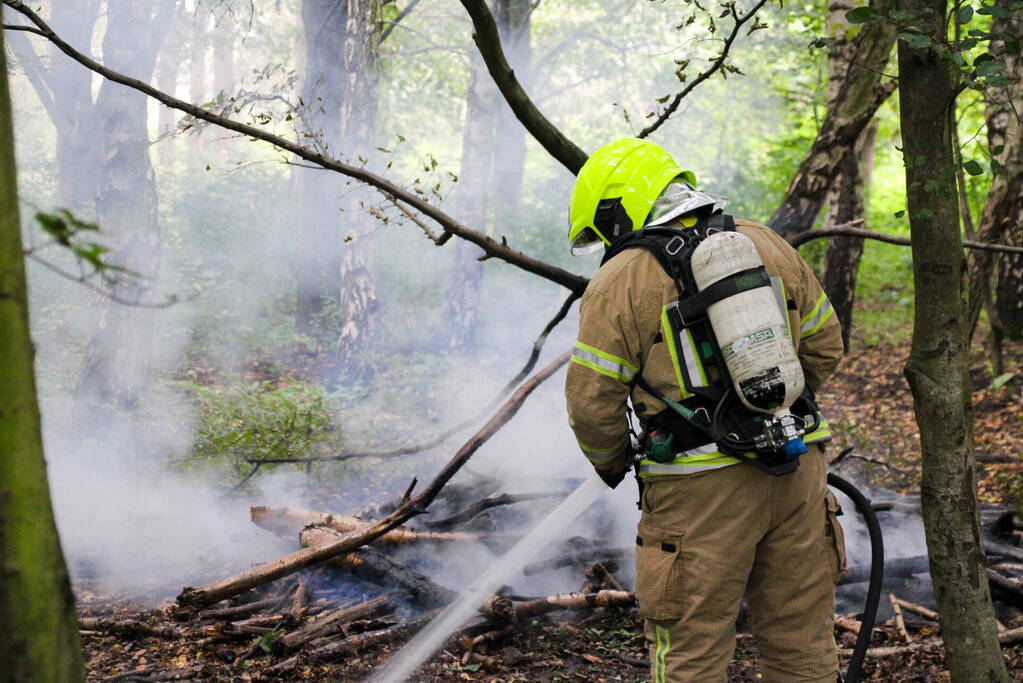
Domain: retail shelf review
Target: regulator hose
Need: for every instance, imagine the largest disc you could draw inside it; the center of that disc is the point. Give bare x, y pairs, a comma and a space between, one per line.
876, 574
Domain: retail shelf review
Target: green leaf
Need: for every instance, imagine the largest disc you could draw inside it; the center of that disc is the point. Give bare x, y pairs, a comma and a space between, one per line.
965, 14
1002, 380
990, 69
266, 643
973, 168
917, 41
473, 668
861, 15
996, 167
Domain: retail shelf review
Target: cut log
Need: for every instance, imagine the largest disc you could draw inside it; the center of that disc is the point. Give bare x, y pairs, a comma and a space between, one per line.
300, 602
848, 624
131, 627
332, 621
1005, 589
287, 520
422, 588
900, 623
240, 610
1003, 550
920, 610
502, 608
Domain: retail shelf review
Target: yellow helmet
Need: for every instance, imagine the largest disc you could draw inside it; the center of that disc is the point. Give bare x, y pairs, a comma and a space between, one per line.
615, 190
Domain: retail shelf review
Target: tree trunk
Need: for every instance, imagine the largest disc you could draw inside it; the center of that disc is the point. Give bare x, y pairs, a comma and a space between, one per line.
461, 307
852, 108
197, 71
318, 269
117, 356
37, 608
1003, 206
845, 199
513, 23
223, 55
938, 364
357, 299
842, 258
67, 98
1006, 197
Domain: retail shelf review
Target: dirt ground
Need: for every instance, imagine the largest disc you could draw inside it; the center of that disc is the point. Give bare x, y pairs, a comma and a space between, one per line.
869, 405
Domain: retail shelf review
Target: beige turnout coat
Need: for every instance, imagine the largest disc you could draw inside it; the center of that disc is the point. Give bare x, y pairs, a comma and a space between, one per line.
622, 332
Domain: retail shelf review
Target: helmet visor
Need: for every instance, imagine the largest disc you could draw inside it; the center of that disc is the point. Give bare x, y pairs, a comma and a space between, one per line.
586, 242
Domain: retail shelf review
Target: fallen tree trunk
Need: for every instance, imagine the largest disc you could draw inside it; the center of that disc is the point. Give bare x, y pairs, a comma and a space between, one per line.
225, 588
289, 520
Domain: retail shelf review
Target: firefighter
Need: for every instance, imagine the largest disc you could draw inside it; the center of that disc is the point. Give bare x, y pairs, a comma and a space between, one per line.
713, 528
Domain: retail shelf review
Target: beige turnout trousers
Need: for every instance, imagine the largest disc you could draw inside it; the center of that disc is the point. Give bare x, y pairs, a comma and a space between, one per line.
707, 539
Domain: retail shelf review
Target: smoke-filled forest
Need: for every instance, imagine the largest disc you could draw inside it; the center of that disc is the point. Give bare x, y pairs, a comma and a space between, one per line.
287, 307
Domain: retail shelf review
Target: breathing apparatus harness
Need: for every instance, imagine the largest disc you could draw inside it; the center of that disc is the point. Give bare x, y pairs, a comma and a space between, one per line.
715, 411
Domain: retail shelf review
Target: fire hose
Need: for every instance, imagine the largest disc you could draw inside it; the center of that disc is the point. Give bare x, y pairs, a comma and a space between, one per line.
864, 507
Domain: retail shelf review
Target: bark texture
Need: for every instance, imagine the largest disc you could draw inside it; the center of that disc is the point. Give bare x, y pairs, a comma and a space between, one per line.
513, 23
461, 308
37, 608
937, 366
1006, 196
67, 98
357, 299
117, 356
846, 197
318, 270
856, 100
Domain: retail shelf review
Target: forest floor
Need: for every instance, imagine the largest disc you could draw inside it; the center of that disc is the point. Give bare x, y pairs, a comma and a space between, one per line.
869, 406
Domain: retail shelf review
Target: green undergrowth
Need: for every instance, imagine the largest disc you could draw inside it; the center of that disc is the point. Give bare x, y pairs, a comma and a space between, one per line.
239, 420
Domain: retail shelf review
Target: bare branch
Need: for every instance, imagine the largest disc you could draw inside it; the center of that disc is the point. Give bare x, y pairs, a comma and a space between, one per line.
488, 40
401, 15
571, 281
36, 31
37, 76
105, 293
716, 64
847, 230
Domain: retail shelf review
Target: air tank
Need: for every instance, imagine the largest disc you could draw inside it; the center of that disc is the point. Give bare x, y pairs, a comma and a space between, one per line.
751, 329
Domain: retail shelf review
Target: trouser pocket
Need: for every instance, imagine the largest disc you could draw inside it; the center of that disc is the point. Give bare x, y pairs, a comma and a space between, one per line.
658, 572
835, 535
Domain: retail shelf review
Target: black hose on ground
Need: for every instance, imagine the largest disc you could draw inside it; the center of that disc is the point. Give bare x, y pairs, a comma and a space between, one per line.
876, 574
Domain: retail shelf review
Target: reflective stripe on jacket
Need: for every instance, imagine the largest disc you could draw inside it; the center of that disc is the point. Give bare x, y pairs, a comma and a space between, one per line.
623, 330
